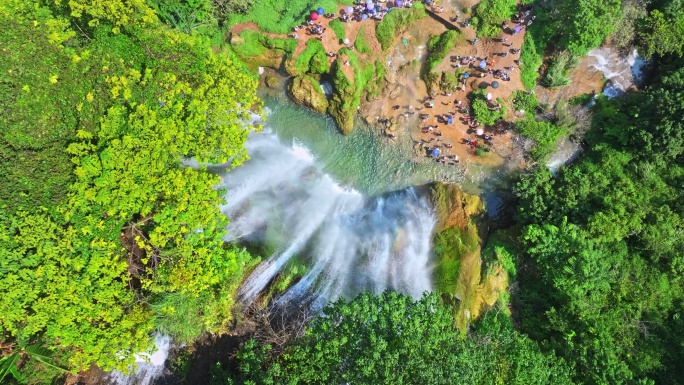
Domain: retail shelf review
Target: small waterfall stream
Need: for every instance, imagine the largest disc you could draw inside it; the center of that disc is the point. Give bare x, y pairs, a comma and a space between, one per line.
621, 72
148, 367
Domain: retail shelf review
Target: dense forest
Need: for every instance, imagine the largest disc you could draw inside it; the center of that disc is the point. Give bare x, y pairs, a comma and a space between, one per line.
108, 235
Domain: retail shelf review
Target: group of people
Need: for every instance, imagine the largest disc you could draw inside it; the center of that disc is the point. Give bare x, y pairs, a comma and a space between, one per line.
311, 27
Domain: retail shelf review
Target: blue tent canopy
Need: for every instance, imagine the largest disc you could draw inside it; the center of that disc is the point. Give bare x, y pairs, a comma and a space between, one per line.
483, 64
435, 152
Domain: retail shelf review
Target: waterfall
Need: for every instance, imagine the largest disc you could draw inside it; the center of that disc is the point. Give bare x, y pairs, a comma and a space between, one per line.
148, 367
621, 72
282, 198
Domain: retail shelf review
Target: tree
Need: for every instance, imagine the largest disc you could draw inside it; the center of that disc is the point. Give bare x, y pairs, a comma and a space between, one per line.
661, 31
390, 339
91, 268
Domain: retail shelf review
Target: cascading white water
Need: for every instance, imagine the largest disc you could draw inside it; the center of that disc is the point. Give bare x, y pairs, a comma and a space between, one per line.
282, 198
147, 366
621, 71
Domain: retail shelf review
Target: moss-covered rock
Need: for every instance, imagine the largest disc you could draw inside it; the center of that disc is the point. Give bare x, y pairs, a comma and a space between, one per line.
453, 207
271, 81
313, 60
306, 91
348, 91
259, 50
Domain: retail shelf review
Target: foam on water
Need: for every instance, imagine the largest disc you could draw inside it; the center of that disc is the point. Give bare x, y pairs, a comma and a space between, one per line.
283, 198
621, 72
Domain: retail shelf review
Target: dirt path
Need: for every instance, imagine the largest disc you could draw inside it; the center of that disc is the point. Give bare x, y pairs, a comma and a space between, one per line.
407, 91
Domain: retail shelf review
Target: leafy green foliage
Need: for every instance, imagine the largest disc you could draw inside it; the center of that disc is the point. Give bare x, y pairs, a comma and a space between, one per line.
483, 112
605, 282
490, 14
390, 339
394, 22
574, 25
530, 61
662, 31
280, 16
544, 134
361, 43
338, 27
525, 101
129, 223
224, 8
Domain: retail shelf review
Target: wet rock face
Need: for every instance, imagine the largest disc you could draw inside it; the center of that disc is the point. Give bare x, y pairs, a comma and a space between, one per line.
307, 91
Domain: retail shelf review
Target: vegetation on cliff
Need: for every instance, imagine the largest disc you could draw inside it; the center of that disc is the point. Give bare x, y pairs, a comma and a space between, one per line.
95, 243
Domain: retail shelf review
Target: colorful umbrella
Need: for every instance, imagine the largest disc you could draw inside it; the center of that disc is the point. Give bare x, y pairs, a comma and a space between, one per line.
480, 131
483, 64
495, 84
489, 97
398, 3
370, 6
350, 10
314, 16
364, 17
466, 75
435, 152
321, 11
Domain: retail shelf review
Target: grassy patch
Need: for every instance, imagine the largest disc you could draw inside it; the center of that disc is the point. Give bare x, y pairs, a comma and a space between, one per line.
439, 47
545, 135
338, 27
560, 65
313, 59
530, 61
361, 43
490, 14
293, 271
280, 16
400, 18
374, 86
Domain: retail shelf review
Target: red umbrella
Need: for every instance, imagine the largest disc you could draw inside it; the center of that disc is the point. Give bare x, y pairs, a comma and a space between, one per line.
314, 16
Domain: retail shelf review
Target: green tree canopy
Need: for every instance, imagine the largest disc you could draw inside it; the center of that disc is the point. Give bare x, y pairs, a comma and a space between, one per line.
100, 242
392, 339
